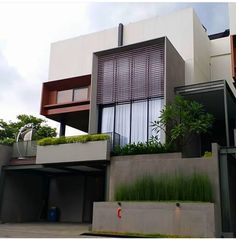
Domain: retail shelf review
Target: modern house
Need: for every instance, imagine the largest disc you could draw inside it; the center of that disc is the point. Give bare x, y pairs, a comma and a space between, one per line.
117, 81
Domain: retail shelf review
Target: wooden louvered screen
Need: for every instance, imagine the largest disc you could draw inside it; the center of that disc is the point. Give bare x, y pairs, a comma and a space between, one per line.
131, 75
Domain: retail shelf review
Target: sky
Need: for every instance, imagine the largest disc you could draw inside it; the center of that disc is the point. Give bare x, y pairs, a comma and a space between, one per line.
27, 28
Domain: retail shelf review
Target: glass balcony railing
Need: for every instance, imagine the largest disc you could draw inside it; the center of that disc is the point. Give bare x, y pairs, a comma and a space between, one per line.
115, 139
24, 149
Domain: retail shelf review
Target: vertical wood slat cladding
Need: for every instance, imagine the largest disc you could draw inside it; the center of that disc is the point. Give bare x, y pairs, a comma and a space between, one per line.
131, 74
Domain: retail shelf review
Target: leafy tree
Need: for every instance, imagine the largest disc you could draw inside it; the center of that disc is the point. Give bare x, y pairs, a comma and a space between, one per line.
181, 120
9, 130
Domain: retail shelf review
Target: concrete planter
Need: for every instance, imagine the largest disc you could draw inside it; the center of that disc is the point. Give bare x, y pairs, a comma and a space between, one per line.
75, 152
190, 219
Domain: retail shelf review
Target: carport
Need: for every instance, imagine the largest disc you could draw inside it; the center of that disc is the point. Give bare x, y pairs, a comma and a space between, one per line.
28, 191
219, 100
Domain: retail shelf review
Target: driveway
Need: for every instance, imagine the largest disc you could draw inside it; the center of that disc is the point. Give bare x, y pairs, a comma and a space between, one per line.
32, 230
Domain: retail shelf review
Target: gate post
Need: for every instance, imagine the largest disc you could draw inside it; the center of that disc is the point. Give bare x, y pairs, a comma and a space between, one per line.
227, 230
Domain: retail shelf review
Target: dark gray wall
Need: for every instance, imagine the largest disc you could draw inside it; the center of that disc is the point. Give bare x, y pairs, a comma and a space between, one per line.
5, 154
74, 196
128, 168
232, 190
94, 193
93, 113
174, 71
22, 198
67, 193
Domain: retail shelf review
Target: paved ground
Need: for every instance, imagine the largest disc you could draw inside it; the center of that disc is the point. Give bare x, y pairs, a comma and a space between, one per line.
32, 230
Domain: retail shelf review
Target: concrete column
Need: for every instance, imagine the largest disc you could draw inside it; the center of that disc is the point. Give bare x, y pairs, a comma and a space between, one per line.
107, 183
62, 129
225, 196
120, 34
234, 137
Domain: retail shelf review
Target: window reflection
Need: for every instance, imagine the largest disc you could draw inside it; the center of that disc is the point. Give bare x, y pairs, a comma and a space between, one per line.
137, 115
81, 94
64, 96
72, 95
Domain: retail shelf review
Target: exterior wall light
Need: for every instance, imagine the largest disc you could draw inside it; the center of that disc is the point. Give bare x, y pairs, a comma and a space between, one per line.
119, 210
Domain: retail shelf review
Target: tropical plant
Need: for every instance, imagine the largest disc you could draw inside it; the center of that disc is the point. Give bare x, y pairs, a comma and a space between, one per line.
150, 147
181, 120
177, 187
9, 130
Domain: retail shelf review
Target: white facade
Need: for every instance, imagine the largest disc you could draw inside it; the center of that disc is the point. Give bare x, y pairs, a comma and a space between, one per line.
232, 18
203, 58
73, 57
220, 63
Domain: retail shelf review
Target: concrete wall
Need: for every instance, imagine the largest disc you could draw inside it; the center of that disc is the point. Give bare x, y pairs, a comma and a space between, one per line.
74, 196
232, 18
220, 59
73, 57
128, 168
201, 48
67, 193
22, 198
191, 219
232, 191
75, 152
93, 113
5, 154
174, 71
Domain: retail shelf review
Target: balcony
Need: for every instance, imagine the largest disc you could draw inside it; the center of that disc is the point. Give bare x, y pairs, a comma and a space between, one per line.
67, 100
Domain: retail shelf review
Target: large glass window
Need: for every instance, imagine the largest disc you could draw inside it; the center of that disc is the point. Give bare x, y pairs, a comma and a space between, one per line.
107, 120
139, 122
155, 107
122, 123
132, 120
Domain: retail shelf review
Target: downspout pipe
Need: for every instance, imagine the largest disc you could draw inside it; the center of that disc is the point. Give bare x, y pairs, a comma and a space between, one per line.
120, 34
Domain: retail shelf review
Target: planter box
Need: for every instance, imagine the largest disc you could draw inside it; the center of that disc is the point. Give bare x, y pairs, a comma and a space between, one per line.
190, 219
75, 152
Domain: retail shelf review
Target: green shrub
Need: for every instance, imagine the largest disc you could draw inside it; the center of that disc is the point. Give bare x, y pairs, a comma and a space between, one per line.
7, 141
73, 139
207, 154
182, 120
196, 187
141, 148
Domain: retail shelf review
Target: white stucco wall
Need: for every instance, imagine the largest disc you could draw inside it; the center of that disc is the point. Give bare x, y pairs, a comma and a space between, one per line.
201, 46
232, 18
220, 59
73, 57
177, 27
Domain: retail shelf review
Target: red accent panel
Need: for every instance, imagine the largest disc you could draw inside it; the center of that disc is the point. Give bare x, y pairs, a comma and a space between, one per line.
233, 55
69, 109
49, 104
